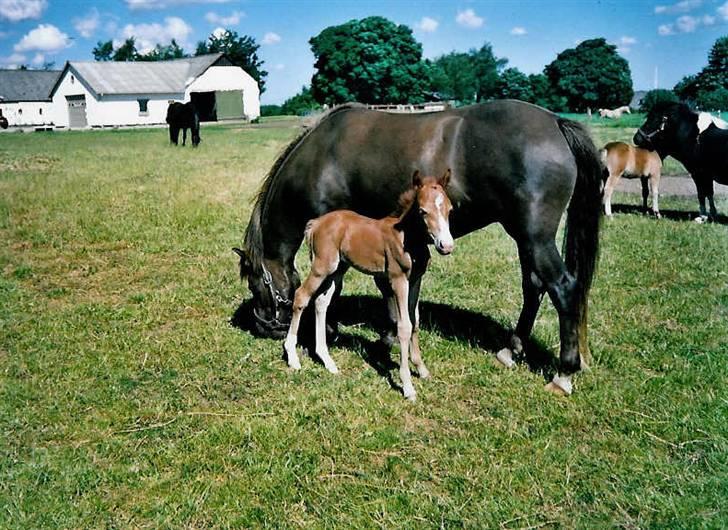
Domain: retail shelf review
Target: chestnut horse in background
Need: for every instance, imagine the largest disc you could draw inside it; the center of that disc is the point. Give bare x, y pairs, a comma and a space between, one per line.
384, 248
628, 161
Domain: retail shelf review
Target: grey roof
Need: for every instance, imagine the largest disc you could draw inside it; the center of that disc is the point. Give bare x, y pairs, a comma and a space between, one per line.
27, 85
156, 77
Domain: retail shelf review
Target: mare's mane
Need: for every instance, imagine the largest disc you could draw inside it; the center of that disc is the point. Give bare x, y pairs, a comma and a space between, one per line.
253, 240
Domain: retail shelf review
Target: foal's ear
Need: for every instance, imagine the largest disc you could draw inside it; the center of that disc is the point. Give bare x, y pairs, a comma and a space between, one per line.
445, 179
417, 179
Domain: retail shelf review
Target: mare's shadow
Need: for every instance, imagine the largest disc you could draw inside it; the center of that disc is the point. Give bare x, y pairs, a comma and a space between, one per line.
673, 215
453, 323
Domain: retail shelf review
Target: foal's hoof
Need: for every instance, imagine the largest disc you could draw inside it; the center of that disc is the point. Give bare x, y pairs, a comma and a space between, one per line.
701, 219
423, 372
505, 357
412, 398
332, 368
561, 386
555, 389
294, 364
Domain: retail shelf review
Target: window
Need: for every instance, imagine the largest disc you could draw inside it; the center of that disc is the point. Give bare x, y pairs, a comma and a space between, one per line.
20, 112
73, 79
40, 111
143, 107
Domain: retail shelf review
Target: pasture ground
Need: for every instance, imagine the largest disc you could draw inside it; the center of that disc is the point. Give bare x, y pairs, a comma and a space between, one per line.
127, 399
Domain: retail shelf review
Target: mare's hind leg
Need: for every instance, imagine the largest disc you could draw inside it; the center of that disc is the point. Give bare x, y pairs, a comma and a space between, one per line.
389, 334
415, 283
561, 287
184, 136
645, 193
533, 291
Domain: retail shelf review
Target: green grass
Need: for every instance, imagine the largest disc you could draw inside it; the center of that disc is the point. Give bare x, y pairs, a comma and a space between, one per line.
128, 400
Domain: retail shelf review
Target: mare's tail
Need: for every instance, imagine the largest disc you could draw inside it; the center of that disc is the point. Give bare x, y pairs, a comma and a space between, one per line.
581, 238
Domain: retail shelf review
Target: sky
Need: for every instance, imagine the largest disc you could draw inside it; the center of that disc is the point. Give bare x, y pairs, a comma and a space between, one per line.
662, 40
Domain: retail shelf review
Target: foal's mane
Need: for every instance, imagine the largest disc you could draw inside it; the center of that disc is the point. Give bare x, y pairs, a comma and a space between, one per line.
253, 239
408, 197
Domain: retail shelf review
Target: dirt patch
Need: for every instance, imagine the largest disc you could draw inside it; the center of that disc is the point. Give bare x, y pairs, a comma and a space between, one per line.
680, 186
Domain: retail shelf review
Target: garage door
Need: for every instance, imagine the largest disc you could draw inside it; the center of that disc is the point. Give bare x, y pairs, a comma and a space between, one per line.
76, 111
229, 104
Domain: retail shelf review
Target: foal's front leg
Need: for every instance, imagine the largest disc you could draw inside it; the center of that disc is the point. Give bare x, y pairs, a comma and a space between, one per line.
400, 286
300, 300
322, 350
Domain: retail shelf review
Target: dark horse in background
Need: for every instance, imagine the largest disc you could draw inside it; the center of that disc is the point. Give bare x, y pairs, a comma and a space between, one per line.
183, 116
3, 121
672, 129
512, 163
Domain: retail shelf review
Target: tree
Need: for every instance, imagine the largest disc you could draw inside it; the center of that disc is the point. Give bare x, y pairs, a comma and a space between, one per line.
300, 104
103, 51
514, 84
707, 88
544, 95
164, 53
242, 52
467, 77
653, 97
127, 51
591, 75
371, 60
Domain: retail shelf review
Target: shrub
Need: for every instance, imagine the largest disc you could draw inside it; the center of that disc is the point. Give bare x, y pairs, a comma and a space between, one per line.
653, 97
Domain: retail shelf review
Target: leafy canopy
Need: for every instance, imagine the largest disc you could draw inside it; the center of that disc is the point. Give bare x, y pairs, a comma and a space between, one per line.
371, 60
592, 75
127, 51
242, 51
467, 77
709, 87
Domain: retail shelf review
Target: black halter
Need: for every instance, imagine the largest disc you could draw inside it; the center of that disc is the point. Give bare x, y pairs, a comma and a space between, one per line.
654, 133
278, 300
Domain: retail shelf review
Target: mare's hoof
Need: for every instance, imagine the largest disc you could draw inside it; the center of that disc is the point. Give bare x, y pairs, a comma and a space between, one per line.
505, 357
412, 398
701, 219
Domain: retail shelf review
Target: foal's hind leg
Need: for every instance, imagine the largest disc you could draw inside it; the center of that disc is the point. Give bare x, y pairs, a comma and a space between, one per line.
608, 190
655, 188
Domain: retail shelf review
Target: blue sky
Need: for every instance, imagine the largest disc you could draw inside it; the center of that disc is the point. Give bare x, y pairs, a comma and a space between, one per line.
672, 36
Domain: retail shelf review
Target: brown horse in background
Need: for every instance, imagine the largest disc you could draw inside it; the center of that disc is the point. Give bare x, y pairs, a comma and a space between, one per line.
384, 248
628, 161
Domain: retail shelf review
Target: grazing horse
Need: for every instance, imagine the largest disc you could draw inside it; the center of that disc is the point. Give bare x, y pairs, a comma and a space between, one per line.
386, 249
183, 116
615, 113
512, 162
672, 129
628, 161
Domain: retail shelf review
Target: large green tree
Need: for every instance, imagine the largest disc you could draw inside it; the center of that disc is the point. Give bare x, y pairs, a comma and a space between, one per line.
514, 84
300, 104
592, 75
164, 53
103, 51
709, 87
467, 77
371, 60
127, 51
242, 51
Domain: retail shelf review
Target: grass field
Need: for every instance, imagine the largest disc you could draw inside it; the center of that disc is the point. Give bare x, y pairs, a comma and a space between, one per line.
127, 400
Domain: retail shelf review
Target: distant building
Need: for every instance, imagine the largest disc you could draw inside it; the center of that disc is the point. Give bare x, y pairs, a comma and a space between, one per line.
109, 93
25, 96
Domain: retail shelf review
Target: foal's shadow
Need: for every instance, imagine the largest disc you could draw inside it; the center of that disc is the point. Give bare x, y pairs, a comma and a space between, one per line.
454, 323
672, 215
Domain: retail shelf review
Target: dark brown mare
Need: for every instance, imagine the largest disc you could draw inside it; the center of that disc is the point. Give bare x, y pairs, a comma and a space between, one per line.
512, 163
385, 248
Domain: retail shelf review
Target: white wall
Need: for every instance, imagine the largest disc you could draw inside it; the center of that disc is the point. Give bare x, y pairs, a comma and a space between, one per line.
109, 110
229, 78
28, 113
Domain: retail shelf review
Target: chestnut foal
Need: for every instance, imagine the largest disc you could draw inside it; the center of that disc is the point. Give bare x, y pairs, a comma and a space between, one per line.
383, 248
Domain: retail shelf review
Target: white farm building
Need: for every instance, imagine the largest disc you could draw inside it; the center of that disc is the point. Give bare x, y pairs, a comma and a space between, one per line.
25, 96
107, 94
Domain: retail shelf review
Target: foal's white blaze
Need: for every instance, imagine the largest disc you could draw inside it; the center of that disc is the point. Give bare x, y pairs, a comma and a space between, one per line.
443, 238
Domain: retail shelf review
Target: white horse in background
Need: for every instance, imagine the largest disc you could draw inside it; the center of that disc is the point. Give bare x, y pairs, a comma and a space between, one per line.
614, 113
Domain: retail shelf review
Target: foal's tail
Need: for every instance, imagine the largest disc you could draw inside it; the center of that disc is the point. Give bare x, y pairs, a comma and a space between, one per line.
308, 235
581, 238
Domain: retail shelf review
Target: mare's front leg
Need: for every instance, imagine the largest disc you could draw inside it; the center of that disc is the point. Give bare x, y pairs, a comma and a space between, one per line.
418, 271
184, 136
388, 335
400, 286
704, 184
645, 193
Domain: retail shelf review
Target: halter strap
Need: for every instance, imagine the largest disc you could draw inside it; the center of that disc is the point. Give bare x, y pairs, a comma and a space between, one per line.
275, 294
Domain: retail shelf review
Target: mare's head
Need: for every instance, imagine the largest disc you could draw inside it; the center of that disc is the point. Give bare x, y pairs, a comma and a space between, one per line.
669, 127
434, 208
272, 289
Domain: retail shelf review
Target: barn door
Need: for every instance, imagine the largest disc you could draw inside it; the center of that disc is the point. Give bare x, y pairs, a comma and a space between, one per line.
76, 111
229, 104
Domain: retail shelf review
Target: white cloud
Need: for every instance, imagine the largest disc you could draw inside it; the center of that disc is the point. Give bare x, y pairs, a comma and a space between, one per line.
271, 38
518, 30
17, 10
469, 19
427, 24
163, 4
219, 32
687, 24
679, 7
708, 20
231, 20
38, 59
46, 38
279, 66
625, 43
723, 11
666, 29
86, 26
147, 36
13, 61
